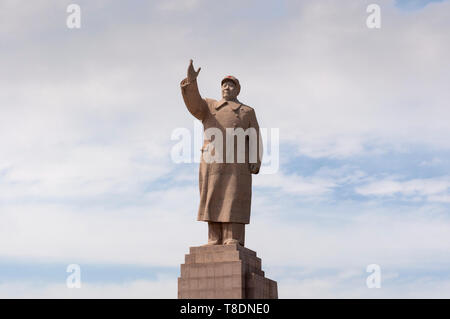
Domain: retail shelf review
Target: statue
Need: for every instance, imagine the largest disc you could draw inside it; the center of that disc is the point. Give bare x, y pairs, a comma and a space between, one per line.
225, 186
224, 268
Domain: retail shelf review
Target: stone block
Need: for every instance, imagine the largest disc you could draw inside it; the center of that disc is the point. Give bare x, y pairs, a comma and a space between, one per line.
224, 272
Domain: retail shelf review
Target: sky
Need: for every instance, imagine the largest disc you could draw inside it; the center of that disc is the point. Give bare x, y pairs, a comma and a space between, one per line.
87, 115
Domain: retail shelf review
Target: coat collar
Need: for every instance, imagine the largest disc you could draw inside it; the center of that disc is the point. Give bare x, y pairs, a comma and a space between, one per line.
234, 105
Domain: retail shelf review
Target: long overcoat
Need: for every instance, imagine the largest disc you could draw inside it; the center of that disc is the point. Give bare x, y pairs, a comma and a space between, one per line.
225, 187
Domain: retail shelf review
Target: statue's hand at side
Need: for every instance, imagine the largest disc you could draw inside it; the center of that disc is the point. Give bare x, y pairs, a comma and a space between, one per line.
191, 73
254, 168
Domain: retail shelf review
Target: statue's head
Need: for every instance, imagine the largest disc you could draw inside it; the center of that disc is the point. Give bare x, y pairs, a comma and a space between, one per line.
230, 88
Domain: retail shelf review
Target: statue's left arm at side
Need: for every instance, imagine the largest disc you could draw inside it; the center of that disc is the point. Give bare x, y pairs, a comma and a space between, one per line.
254, 167
189, 89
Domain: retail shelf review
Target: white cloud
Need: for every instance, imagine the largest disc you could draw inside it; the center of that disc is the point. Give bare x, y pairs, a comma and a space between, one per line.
156, 230
86, 120
340, 90
348, 90
84, 171
295, 184
179, 5
440, 198
350, 283
312, 187
432, 188
351, 235
158, 289
433, 162
393, 285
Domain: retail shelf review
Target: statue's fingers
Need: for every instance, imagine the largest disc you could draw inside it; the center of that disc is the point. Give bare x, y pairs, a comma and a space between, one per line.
198, 71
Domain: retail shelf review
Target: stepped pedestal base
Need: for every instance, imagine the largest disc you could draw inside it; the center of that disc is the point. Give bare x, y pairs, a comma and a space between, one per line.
224, 272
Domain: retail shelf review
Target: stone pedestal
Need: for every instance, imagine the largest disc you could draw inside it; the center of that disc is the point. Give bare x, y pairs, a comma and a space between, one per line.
224, 272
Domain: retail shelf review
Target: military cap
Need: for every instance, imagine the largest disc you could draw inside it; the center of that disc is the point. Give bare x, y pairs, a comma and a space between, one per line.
232, 79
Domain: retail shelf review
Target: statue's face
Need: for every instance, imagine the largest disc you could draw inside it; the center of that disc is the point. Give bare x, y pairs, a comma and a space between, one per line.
229, 90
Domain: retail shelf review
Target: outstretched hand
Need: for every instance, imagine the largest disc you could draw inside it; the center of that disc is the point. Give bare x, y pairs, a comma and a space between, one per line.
191, 73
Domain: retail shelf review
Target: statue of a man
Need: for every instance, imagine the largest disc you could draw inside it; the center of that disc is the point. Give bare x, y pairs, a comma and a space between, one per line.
225, 186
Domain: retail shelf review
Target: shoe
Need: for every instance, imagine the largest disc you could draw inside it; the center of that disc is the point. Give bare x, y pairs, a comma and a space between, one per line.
232, 242
211, 243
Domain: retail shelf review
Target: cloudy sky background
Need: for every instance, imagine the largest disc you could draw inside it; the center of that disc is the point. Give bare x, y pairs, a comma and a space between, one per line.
86, 175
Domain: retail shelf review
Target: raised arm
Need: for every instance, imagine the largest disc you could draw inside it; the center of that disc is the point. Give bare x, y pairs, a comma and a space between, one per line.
189, 89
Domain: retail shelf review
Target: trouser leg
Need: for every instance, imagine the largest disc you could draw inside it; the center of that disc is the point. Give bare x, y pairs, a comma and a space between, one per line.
233, 233
214, 233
